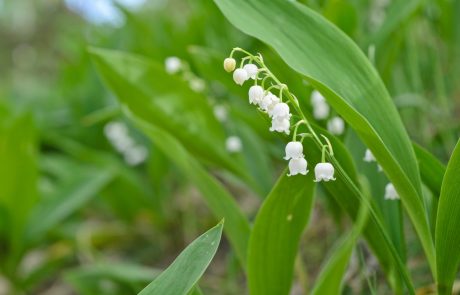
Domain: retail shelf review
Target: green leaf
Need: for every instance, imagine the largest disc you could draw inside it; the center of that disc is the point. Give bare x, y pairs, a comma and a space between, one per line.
72, 194
448, 225
330, 278
167, 102
181, 276
215, 195
275, 237
335, 66
431, 170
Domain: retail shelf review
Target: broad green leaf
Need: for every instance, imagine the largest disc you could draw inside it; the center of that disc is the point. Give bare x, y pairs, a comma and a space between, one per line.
330, 278
167, 102
448, 225
218, 199
18, 179
431, 170
334, 65
275, 237
72, 194
180, 277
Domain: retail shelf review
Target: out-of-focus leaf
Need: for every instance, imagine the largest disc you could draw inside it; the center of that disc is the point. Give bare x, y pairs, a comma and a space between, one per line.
275, 237
217, 197
448, 225
72, 194
180, 277
333, 64
431, 170
18, 178
330, 278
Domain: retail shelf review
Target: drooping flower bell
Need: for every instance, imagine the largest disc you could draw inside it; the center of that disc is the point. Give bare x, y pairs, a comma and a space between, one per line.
229, 64
280, 111
268, 102
172, 65
390, 192
256, 94
368, 156
297, 166
321, 111
324, 172
233, 144
336, 126
294, 150
251, 69
280, 125
240, 76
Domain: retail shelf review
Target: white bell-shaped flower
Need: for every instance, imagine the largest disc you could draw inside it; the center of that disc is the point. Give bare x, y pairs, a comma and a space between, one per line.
268, 102
280, 111
240, 76
135, 155
229, 64
173, 65
297, 166
280, 125
321, 111
324, 172
368, 156
294, 150
336, 126
251, 69
233, 144
316, 98
390, 192
256, 94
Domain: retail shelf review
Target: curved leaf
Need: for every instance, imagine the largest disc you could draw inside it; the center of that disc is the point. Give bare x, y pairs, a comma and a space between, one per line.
341, 72
275, 237
448, 225
431, 169
180, 277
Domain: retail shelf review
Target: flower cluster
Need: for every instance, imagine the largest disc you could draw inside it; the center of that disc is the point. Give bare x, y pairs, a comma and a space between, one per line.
276, 101
118, 135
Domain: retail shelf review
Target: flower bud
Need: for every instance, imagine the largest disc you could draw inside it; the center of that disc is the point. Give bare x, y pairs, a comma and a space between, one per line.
390, 192
256, 94
294, 150
233, 144
324, 171
240, 76
297, 166
336, 126
229, 64
251, 69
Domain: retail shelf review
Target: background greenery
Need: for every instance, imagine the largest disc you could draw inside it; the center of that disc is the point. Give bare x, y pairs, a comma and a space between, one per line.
76, 218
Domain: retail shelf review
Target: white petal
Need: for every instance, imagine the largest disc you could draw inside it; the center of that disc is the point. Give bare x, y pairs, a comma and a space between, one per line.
251, 69
294, 150
240, 76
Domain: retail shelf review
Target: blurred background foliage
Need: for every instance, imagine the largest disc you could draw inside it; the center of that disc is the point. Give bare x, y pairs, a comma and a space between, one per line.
78, 216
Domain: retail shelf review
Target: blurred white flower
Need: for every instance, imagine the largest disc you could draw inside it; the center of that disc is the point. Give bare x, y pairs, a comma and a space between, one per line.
173, 64
336, 125
324, 172
294, 150
229, 64
251, 69
390, 192
233, 144
240, 76
297, 166
321, 111
135, 155
221, 113
256, 94
197, 84
316, 98
368, 156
